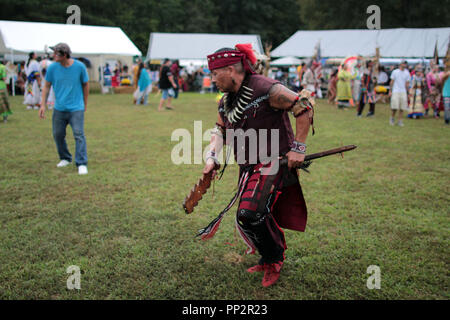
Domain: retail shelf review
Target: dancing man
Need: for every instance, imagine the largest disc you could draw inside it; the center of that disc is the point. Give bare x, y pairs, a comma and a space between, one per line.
255, 108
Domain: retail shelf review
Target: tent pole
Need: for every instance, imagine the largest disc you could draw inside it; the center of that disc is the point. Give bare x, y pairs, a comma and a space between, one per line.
13, 89
377, 60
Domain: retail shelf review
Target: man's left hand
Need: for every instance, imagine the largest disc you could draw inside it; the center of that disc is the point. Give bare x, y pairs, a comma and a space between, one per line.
295, 159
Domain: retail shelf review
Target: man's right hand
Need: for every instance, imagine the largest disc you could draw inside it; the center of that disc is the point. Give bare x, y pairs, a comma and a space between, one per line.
210, 166
42, 111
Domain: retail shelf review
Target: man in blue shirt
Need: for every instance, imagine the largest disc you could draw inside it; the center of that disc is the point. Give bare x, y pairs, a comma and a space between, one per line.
69, 79
446, 94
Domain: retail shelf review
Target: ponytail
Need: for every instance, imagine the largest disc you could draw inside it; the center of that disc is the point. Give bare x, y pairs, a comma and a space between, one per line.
30, 57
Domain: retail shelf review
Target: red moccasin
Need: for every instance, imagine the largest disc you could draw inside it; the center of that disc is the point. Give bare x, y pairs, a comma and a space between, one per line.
257, 268
272, 273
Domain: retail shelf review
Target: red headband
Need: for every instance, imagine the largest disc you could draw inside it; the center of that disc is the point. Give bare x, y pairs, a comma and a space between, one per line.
242, 53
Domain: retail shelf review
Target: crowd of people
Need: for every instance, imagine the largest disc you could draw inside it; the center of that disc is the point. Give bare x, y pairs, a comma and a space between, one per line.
168, 79
347, 86
418, 90
26, 78
415, 90
15, 74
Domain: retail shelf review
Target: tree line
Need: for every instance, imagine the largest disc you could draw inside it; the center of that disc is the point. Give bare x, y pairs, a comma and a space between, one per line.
274, 21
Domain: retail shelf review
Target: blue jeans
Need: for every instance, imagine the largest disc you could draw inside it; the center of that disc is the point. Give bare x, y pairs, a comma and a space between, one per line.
145, 98
60, 121
447, 109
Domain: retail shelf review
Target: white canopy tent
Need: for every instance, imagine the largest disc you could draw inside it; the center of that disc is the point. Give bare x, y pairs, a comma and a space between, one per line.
286, 61
393, 43
386, 61
95, 43
194, 47
411, 61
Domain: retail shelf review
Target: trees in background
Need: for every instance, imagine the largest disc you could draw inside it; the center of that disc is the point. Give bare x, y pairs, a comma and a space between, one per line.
275, 20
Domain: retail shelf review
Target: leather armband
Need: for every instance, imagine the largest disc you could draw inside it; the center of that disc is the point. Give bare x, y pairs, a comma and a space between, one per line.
302, 104
298, 109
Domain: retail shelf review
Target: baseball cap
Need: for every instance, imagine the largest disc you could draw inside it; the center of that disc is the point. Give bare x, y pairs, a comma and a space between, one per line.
62, 47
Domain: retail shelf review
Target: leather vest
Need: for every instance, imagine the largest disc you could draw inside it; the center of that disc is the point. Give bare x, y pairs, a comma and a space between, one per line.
257, 141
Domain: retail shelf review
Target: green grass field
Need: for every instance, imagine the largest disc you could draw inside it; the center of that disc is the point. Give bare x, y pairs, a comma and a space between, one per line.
384, 204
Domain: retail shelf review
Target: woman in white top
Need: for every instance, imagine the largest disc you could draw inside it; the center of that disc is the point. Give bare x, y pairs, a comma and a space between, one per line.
309, 80
32, 85
43, 66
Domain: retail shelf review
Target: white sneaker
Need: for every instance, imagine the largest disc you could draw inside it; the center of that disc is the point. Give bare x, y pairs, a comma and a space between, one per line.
82, 170
400, 123
63, 163
29, 108
36, 108
392, 121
